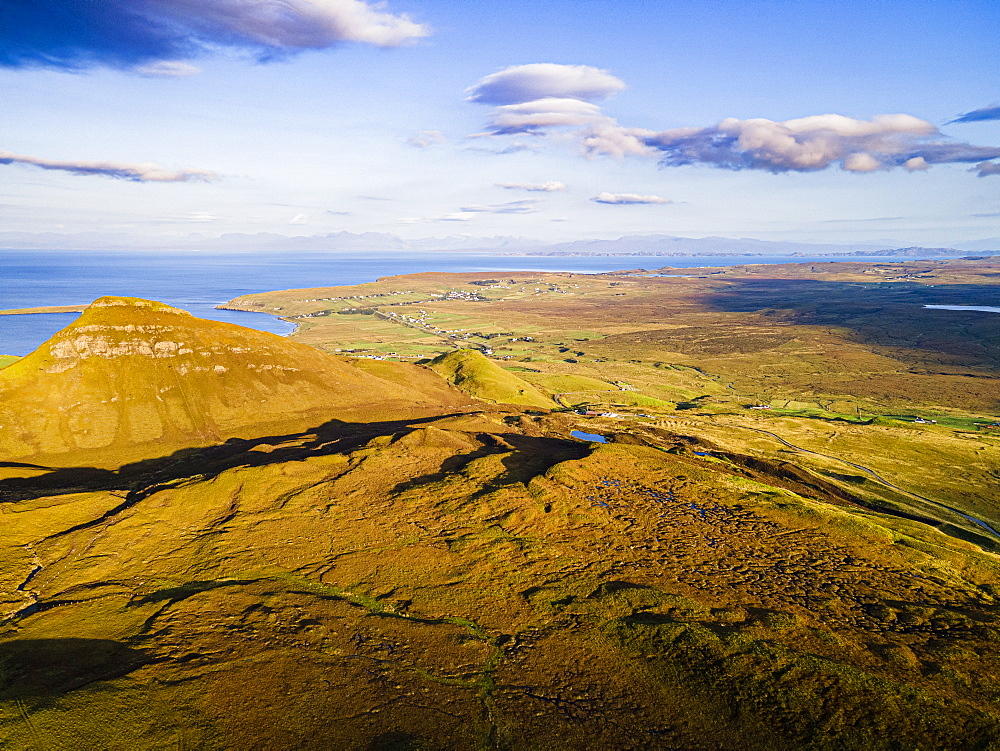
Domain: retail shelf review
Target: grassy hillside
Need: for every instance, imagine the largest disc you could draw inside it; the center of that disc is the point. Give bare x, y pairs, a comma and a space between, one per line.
131, 373
477, 376
215, 538
483, 582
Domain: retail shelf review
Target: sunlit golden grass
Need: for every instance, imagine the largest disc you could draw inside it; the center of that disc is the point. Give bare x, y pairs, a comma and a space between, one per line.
418, 562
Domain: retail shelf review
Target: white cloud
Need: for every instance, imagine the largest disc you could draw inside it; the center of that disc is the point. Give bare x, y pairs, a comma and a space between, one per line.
536, 99
200, 217
453, 217
291, 24
427, 138
144, 173
525, 83
546, 187
152, 36
167, 69
526, 206
814, 143
614, 140
620, 199
299, 219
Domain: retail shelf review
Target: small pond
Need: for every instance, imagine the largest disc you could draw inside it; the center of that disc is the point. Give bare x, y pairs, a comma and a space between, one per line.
580, 435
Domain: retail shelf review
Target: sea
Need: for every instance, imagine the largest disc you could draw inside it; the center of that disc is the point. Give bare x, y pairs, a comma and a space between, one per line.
199, 281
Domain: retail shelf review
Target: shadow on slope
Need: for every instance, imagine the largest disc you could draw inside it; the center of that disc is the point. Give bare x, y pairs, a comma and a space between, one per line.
880, 313
145, 477
35, 668
526, 457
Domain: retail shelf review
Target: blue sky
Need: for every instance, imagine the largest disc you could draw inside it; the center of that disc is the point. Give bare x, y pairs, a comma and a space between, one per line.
792, 120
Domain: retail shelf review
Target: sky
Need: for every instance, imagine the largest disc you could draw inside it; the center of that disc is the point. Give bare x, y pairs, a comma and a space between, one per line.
809, 121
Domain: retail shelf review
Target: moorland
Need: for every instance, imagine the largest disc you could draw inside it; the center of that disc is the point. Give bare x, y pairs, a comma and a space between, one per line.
778, 532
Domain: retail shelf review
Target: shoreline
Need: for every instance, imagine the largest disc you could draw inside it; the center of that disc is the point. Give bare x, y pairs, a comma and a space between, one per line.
43, 309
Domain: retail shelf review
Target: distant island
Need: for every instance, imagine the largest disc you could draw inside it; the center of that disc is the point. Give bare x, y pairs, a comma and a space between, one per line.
636, 245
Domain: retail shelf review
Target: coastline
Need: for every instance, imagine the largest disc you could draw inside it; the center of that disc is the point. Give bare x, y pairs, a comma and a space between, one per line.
43, 309
256, 309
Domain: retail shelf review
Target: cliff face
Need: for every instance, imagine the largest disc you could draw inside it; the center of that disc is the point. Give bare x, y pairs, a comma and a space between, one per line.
131, 372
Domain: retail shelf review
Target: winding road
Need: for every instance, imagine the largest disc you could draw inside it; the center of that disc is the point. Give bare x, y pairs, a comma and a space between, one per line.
871, 473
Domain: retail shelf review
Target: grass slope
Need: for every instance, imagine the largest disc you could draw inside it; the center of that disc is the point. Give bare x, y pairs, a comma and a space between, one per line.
133, 372
480, 582
407, 574
478, 376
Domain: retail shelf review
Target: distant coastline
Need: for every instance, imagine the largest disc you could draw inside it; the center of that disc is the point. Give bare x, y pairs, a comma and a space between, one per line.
43, 309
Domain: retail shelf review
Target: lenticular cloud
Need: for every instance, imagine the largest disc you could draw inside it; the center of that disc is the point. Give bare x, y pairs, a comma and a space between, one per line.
536, 97
146, 172
526, 83
76, 34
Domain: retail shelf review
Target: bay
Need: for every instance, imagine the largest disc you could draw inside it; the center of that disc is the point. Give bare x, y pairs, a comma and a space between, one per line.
198, 281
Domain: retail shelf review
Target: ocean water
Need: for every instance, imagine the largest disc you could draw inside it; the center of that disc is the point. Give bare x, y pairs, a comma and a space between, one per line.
198, 281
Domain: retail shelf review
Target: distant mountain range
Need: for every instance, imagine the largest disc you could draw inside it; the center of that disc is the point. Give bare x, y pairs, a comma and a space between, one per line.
653, 245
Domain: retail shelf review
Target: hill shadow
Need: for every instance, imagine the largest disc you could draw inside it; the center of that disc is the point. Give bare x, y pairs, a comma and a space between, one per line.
526, 456
884, 314
138, 480
39, 668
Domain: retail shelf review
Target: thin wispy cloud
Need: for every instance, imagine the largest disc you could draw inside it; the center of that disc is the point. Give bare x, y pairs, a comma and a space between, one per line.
167, 69
512, 148
985, 113
628, 199
526, 206
874, 219
299, 219
427, 138
78, 34
453, 217
198, 217
146, 172
546, 187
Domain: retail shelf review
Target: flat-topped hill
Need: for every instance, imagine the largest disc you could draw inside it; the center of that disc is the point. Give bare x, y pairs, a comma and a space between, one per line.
134, 372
